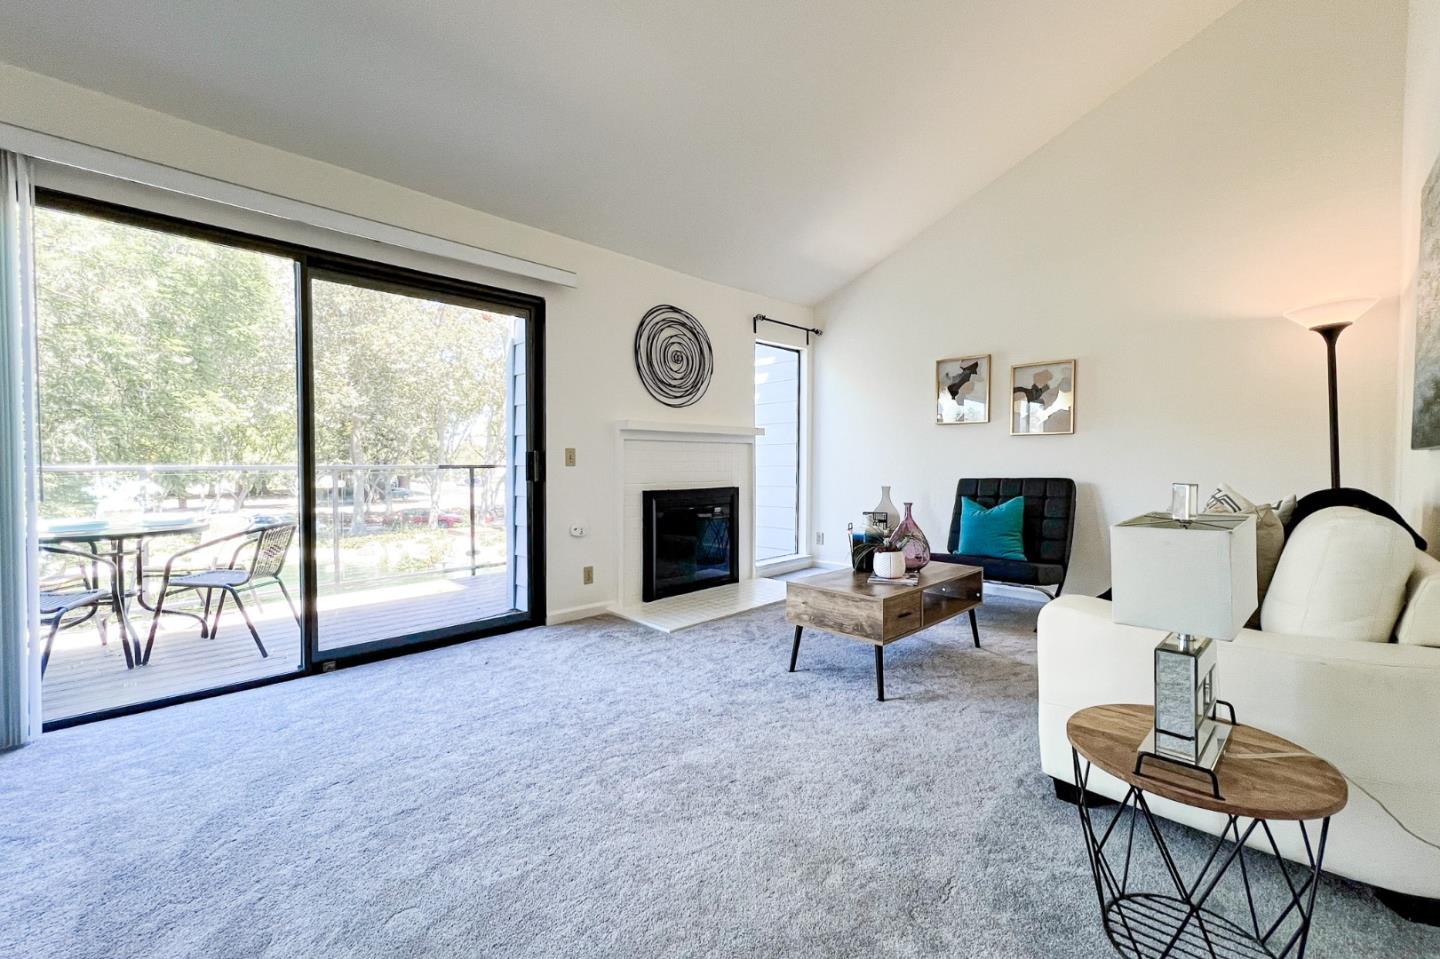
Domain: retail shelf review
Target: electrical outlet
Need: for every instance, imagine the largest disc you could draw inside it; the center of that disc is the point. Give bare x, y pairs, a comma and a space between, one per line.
588, 576
569, 456
819, 539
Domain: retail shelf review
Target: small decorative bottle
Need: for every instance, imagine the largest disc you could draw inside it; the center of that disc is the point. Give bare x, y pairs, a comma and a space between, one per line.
911, 541
887, 506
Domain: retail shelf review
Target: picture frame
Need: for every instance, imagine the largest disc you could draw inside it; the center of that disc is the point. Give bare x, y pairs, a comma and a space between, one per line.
1042, 398
962, 390
1425, 417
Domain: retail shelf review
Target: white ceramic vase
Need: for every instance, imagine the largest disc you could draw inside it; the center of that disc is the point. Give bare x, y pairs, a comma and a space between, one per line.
890, 565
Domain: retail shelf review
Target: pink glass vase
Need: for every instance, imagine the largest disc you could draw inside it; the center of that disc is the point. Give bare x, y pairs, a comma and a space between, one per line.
911, 541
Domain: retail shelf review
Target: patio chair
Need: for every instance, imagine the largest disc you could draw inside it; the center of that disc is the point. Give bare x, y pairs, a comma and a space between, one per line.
80, 592
267, 545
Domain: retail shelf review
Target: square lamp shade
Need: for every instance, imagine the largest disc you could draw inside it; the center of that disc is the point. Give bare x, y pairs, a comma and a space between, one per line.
1193, 577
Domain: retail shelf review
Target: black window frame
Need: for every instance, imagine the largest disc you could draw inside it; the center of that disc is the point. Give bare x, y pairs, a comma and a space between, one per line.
406, 279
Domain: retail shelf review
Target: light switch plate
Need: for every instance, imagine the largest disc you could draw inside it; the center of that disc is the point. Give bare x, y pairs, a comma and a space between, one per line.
569, 456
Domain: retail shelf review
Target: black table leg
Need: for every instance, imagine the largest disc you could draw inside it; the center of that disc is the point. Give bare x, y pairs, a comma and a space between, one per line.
975, 629
122, 598
795, 650
880, 673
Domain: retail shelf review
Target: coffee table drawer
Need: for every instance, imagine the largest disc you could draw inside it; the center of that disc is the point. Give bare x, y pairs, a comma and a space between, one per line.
856, 616
903, 614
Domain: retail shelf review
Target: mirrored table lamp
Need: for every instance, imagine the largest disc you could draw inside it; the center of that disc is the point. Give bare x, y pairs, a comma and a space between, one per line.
1193, 575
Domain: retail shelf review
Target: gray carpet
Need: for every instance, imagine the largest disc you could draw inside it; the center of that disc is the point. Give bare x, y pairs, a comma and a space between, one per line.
595, 789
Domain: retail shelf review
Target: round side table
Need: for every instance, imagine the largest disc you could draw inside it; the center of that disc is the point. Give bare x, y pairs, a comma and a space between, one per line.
1262, 779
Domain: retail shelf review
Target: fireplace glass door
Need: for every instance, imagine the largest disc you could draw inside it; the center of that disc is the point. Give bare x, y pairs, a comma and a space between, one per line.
690, 540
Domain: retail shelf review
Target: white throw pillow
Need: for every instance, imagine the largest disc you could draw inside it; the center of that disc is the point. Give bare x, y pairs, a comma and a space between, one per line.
1420, 623
1342, 576
1269, 536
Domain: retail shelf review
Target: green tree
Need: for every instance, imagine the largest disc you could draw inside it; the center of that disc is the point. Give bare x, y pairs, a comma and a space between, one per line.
405, 380
156, 348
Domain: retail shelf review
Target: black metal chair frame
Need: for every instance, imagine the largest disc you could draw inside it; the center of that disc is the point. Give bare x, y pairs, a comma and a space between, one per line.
269, 545
90, 599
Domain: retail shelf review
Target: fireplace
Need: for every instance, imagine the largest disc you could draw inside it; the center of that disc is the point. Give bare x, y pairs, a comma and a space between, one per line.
691, 540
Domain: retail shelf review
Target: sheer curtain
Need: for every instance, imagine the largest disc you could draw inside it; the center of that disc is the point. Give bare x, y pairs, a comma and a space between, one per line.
19, 616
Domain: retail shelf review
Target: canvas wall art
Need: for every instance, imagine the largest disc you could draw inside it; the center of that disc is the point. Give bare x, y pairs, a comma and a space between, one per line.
1042, 398
962, 390
1425, 425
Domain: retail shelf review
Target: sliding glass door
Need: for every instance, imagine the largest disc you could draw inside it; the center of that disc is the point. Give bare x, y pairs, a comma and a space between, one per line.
417, 425
168, 433
258, 458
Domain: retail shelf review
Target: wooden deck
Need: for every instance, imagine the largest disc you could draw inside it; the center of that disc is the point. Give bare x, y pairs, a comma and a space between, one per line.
85, 677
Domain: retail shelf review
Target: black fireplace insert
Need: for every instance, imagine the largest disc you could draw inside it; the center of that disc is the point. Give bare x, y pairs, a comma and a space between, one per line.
691, 540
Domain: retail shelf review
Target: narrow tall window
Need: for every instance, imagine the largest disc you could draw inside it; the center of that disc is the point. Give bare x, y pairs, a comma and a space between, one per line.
777, 452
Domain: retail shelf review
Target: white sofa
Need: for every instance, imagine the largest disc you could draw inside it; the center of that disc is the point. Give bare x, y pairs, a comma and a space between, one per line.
1371, 709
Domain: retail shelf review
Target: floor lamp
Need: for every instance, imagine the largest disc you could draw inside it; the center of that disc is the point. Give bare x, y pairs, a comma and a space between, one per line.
1330, 320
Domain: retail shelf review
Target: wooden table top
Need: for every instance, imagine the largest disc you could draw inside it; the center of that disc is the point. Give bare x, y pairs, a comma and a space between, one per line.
857, 584
1261, 775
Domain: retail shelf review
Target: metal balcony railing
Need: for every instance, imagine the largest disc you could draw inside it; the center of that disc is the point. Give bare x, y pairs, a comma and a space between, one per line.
381, 483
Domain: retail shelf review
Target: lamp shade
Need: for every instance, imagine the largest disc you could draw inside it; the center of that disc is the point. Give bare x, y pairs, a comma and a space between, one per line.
1334, 313
1195, 577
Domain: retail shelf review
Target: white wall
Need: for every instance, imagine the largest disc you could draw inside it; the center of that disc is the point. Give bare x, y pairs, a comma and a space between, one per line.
1157, 241
1419, 470
590, 376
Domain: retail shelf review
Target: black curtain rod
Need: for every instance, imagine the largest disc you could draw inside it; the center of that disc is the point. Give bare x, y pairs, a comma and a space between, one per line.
759, 318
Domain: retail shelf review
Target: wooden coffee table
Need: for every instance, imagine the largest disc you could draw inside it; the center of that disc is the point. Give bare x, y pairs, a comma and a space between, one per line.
1263, 780
846, 604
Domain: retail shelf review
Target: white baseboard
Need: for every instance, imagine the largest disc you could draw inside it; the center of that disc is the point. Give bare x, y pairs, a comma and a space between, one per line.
556, 616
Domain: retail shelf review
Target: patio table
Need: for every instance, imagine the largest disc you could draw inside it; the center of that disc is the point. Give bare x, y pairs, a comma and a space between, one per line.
115, 541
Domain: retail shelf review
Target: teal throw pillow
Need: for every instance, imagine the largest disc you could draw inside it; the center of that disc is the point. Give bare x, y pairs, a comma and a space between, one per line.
993, 532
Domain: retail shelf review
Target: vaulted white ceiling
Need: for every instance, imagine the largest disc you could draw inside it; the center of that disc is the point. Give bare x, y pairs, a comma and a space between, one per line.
780, 146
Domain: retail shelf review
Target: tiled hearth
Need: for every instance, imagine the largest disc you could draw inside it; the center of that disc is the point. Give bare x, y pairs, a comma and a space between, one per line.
691, 609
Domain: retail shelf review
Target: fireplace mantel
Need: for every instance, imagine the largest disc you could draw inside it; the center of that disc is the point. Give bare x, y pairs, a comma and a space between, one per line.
683, 432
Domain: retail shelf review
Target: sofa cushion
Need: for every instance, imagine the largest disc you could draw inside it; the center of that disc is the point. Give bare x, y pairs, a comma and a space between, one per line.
1420, 623
1008, 570
1342, 576
993, 532
1269, 536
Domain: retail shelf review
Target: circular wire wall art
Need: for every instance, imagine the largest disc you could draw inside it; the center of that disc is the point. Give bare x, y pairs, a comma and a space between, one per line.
673, 356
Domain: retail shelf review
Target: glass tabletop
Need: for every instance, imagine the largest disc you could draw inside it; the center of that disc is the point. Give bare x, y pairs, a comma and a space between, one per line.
90, 531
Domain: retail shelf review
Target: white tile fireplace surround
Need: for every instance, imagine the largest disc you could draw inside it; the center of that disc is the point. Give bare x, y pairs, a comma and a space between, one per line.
686, 456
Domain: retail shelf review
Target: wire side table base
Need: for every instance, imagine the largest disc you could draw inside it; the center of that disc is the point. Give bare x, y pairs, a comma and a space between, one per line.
1178, 921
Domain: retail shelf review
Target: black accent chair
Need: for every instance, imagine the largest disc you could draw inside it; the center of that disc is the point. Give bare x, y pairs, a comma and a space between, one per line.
1048, 531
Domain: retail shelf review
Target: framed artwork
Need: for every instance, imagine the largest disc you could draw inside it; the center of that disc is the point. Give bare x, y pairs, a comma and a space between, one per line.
1425, 424
962, 389
1042, 398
